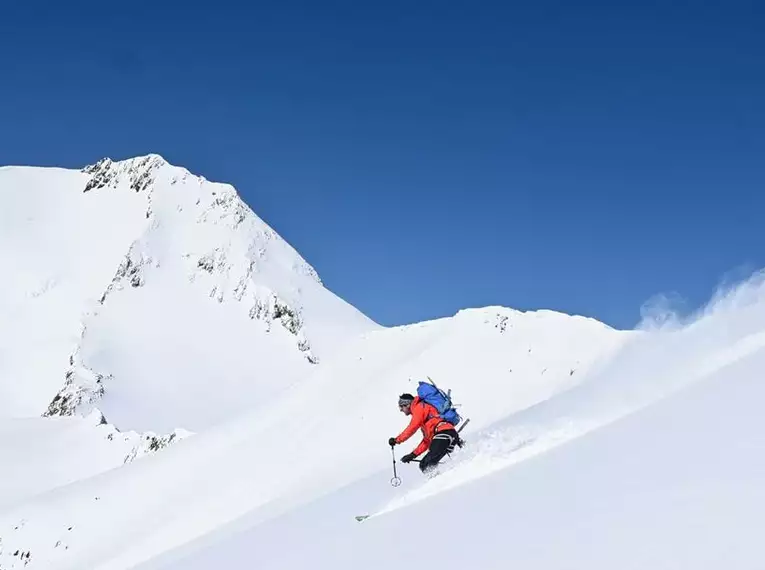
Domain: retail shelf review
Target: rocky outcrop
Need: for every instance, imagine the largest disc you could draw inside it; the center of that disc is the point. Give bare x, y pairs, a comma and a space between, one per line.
272, 309
265, 306
151, 443
130, 272
82, 388
138, 171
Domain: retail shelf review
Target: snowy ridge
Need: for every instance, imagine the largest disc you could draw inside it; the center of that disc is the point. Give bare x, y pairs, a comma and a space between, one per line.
137, 172
60, 451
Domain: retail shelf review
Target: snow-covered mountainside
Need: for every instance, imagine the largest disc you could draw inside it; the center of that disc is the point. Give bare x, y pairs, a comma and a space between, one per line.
656, 461
152, 294
145, 305
143, 302
656, 440
316, 437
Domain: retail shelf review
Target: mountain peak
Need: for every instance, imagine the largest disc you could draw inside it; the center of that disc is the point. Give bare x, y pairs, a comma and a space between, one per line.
129, 161
138, 171
170, 285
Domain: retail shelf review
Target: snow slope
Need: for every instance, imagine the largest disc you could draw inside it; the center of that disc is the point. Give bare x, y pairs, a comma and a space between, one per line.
676, 485
652, 460
660, 466
153, 294
45, 453
333, 427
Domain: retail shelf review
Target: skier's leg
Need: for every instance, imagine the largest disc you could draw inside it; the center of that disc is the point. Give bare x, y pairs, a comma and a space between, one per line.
443, 443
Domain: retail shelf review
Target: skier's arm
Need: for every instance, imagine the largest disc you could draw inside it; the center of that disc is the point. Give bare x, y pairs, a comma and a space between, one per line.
414, 424
422, 448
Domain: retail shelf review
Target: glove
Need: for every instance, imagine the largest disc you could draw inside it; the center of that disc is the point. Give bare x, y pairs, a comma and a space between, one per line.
408, 457
392, 441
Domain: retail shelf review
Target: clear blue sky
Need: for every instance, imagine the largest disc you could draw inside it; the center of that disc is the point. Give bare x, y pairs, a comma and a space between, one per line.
430, 156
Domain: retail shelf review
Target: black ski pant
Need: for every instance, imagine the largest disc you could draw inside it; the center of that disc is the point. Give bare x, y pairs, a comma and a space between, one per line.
443, 443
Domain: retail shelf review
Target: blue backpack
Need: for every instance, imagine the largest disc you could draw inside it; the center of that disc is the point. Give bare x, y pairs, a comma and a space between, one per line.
440, 400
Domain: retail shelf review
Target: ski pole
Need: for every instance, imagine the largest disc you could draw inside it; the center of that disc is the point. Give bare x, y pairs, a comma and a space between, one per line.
460, 441
395, 481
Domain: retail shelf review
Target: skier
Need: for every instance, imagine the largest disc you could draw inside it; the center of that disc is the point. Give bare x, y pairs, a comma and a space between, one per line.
439, 436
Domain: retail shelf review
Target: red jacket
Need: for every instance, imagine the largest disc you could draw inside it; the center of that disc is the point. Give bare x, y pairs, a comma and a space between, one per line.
424, 417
